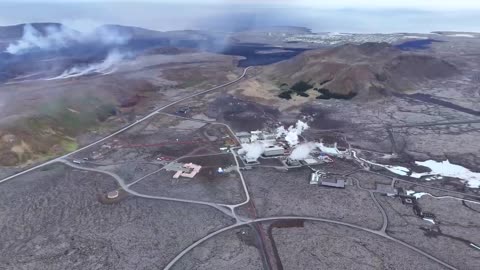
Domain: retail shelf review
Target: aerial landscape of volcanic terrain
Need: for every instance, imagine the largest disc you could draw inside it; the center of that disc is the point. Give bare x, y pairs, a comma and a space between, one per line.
275, 147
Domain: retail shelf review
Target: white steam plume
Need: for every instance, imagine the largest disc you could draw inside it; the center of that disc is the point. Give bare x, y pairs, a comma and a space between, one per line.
58, 37
291, 134
302, 151
105, 67
252, 150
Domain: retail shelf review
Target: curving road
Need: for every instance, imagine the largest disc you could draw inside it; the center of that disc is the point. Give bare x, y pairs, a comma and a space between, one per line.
383, 229
244, 185
127, 189
379, 233
127, 127
241, 222
229, 210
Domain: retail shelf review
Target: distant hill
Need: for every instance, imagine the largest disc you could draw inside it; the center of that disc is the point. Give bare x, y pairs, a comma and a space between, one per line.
11, 33
92, 47
138, 37
368, 69
16, 31
141, 33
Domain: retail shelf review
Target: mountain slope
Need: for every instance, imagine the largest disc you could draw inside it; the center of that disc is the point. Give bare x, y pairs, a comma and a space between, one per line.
364, 70
16, 31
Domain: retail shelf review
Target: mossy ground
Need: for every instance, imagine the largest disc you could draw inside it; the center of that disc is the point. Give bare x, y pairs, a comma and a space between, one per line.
53, 130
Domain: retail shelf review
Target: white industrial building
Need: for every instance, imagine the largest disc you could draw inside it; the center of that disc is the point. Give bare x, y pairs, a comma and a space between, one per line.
273, 150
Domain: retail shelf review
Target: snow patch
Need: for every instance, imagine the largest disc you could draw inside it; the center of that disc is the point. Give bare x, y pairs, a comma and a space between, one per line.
429, 220
394, 169
415, 194
447, 169
438, 170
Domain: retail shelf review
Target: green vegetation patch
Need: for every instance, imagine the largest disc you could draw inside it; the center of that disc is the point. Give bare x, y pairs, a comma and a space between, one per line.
286, 95
69, 145
53, 129
327, 94
300, 88
77, 117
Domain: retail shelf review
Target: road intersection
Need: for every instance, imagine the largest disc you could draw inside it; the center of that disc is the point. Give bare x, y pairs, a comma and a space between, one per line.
127, 127
227, 209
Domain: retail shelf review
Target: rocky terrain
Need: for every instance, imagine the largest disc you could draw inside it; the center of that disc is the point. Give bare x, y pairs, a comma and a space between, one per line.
152, 102
59, 88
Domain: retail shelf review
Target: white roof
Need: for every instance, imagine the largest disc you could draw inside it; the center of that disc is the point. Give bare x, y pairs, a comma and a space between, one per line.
273, 147
310, 161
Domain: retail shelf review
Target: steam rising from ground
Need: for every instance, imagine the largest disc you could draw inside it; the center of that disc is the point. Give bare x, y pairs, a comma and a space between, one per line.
302, 151
291, 134
105, 67
58, 37
252, 150
255, 149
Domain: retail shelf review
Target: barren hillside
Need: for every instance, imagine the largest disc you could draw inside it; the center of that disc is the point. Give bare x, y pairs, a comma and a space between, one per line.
365, 70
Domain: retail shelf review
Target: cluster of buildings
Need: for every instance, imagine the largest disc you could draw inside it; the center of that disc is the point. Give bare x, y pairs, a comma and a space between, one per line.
266, 142
268, 139
186, 170
331, 39
310, 160
265, 145
320, 178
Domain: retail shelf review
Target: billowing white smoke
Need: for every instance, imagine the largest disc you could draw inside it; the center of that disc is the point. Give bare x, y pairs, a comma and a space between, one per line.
302, 151
252, 150
107, 66
58, 37
291, 134
281, 131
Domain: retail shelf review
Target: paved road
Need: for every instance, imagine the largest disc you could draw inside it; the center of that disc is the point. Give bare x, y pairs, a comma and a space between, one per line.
417, 183
225, 208
127, 127
353, 226
127, 189
241, 222
232, 152
382, 211
413, 181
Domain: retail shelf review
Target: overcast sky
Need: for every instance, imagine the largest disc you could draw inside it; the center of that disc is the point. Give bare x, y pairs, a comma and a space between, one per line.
413, 4
360, 4
335, 15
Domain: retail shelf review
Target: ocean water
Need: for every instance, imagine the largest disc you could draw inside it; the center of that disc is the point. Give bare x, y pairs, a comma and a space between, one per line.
241, 17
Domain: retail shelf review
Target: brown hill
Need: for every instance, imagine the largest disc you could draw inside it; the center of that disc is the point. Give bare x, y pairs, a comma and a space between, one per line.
364, 70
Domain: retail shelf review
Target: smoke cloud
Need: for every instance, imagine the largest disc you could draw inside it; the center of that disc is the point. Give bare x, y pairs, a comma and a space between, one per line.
291, 134
59, 37
252, 150
105, 67
302, 151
